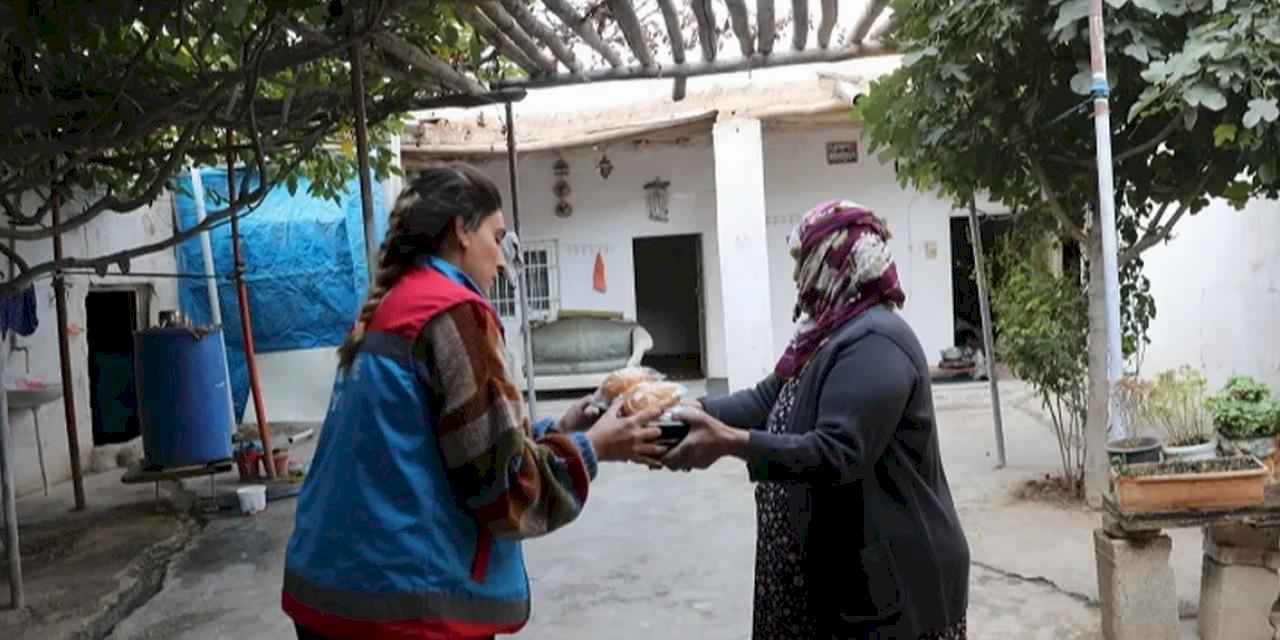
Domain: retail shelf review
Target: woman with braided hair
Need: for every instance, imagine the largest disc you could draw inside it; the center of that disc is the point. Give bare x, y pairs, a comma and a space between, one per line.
428, 471
857, 536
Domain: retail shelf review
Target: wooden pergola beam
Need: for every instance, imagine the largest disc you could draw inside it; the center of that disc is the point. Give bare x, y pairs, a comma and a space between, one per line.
401, 50
625, 14
830, 14
544, 34
875, 8
492, 10
689, 70
494, 36
741, 23
672, 19
569, 16
706, 17
800, 24
766, 26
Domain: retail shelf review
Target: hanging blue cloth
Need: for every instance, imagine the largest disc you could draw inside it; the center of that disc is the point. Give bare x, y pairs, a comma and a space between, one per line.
18, 312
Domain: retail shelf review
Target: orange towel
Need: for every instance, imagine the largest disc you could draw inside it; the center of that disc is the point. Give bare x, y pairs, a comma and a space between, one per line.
597, 278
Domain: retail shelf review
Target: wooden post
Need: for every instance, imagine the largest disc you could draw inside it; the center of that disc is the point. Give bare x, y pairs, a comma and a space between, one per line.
246, 320
64, 356
17, 597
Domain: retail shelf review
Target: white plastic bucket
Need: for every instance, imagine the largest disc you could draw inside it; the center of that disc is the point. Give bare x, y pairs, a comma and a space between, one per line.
253, 498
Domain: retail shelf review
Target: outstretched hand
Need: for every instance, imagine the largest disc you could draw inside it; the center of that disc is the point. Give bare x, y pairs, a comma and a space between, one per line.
628, 439
709, 440
580, 415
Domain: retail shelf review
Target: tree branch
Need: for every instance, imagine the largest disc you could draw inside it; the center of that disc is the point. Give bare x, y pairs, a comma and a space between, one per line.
1157, 233
1154, 142
265, 186
1055, 204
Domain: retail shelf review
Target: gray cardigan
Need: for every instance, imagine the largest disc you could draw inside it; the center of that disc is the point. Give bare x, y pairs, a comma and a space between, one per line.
884, 550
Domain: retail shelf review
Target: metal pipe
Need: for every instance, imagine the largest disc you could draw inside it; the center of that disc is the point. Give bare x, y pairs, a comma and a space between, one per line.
17, 595
1107, 211
206, 248
362, 150
64, 355
246, 320
988, 339
522, 282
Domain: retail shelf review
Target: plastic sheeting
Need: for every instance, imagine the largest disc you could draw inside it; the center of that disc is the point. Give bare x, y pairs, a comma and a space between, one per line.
305, 268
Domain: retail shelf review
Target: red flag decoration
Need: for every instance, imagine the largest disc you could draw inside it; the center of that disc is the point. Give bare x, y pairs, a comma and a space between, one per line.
597, 277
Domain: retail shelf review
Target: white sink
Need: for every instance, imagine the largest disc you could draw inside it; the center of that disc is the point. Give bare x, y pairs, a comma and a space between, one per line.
26, 399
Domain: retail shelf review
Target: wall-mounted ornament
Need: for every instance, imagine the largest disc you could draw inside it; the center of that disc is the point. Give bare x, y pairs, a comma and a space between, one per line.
604, 166
655, 192
561, 189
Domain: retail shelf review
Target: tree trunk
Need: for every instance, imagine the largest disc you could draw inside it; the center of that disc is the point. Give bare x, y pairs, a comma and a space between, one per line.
1096, 472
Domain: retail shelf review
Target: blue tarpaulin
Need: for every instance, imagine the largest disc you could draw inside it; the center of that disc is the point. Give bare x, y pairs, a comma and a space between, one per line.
304, 268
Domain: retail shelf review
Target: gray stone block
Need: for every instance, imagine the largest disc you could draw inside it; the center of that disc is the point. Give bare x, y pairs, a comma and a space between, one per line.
1136, 588
1236, 601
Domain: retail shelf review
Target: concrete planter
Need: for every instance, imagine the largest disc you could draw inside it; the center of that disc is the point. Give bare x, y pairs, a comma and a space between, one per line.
1134, 450
1261, 448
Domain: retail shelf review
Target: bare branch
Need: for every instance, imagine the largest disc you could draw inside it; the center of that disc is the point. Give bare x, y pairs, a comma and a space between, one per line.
800, 26
1055, 204
830, 15
15, 258
1157, 233
741, 24
570, 17
632, 30
1154, 142
544, 34
766, 26
214, 218
705, 14
873, 11
401, 50
522, 40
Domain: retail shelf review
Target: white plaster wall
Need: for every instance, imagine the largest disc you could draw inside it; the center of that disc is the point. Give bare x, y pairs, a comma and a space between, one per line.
797, 177
1217, 292
108, 233
608, 214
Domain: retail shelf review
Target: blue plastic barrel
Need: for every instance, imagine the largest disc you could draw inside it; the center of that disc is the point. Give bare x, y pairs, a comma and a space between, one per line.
184, 397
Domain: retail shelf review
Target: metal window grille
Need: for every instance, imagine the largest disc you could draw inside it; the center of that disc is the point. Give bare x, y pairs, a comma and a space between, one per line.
541, 281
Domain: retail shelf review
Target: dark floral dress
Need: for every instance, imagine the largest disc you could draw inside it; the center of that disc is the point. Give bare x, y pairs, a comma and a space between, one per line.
781, 610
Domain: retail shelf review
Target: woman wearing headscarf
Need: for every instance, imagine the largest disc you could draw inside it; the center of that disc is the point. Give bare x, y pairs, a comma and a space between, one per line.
857, 536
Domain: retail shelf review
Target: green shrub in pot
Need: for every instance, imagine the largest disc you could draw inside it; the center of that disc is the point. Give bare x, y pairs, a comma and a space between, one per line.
1245, 414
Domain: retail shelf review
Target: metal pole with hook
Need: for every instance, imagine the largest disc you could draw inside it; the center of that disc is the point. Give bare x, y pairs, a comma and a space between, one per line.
988, 340
521, 282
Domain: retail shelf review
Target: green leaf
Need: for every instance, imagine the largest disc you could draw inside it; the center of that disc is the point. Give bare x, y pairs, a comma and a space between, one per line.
1224, 134
1071, 12
1203, 95
916, 56
1261, 110
1138, 52
1082, 83
1267, 172
1237, 193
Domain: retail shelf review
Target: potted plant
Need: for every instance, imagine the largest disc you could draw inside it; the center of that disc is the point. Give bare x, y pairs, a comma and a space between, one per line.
1246, 416
1175, 404
1179, 485
1131, 396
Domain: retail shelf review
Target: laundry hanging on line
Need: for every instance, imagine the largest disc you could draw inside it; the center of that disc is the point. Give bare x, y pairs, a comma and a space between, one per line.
18, 312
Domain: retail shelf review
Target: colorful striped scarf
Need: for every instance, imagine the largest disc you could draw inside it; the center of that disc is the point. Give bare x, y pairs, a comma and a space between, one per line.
843, 267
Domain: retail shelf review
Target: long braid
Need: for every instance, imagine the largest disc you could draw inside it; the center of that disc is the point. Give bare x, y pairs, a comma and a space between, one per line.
390, 269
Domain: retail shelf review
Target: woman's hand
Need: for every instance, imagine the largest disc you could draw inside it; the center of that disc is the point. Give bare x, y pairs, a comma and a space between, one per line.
629, 439
580, 416
708, 441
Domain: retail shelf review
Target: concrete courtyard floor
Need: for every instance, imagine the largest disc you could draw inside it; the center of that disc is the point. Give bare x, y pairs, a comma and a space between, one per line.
655, 555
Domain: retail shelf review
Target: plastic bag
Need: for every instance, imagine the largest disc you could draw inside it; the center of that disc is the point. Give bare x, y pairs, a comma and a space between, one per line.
620, 382
653, 395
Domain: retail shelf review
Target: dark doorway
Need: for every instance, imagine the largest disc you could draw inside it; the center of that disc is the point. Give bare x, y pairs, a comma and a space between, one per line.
964, 284
669, 303
113, 316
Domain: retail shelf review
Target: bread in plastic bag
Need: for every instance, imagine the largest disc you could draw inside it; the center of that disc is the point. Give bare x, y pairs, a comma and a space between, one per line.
652, 395
619, 382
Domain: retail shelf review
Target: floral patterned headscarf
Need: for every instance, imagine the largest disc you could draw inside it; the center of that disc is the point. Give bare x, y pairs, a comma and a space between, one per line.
843, 268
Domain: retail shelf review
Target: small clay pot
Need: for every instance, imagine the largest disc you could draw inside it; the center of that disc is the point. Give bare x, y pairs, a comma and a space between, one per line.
281, 458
